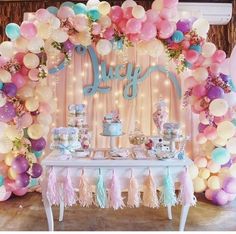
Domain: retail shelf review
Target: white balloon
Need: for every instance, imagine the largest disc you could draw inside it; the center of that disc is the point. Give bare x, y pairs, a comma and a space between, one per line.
230, 98
3, 127
5, 76
44, 119
35, 45
155, 48
226, 129
59, 36
208, 49
92, 4
200, 74
218, 107
55, 22
6, 145
138, 12
128, 3
104, 47
201, 26
7, 49
231, 145
3, 99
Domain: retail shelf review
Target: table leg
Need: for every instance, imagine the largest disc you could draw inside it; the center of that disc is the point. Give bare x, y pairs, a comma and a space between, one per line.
169, 212
112, 143
49, 214
183, 217
61, 214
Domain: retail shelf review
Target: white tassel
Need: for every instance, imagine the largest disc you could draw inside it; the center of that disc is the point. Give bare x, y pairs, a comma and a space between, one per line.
133, 192
150, 198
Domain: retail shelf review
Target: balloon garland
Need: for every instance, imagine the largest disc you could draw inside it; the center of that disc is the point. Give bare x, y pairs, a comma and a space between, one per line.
27, 59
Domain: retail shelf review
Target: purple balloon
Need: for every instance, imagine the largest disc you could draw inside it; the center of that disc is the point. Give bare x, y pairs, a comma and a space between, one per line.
228, 164
68, 45
184, 25
224, 77
36, 170
22, 180
10, 89
39, 144
20, 164
201, 127
7, 112
215, 92
220, 197
229, 185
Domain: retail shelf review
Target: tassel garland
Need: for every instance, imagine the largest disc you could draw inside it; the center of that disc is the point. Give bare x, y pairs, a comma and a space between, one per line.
85, 191
114, 195
150, 198
101, 194
70, 196
53, 194
168, 196
186, 195
133, 193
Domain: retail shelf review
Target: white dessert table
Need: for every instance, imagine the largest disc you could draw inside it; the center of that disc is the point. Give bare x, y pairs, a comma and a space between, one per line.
122, 167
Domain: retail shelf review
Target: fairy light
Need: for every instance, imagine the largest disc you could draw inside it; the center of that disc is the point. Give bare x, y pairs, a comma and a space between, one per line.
116, 102
153, 63
57, 111
85, 102
167, 83
55, 99
155, 91
74, 79
116, 94
82, 74
100, 106
86, 65
142, 95
81, 91
157, 77
99, 68
112, 63
95, 96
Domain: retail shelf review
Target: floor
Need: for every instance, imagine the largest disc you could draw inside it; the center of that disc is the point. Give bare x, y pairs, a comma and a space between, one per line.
27, 213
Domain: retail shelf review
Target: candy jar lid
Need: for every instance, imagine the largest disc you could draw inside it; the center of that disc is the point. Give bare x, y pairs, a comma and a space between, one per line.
137, 137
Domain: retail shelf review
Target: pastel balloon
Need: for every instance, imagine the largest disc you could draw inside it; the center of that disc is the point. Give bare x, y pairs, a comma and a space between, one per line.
31, 104
31, 60
219, 56
213, 182
201, 26
4, 194
210, 133
204, 173
184, 25
152, 16
191, 56
208, 49
13, 133
28, 30
200, 162
18, 80
35, 131
128, 3
25, 120
42, 15
232, 170
96, 28
36, 170
9, 157
220, 155
35, 45
148, 31
3, 99
231, 145
59, 36
220, 198
177, 37
92, 4
105, 21
200, 74
201, 139
193, 171
65, 12
22, 180
38, 144
229, 185
218, 107
53, 10
104, 47
166, 29
7, 112
133, 26
209, 194
157, 5
20, 191
138, 12
7, 49
44, 119
109, 33
155, 48
226, 129
12, 31
170, 3
20, 164
215, 92
199, 90
67, 4
225, 66
94, 14
219, 141
116, 14
199, 185
213, 167
104, 7
80, 8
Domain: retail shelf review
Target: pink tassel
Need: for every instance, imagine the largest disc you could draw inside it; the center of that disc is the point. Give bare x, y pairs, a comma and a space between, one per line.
114, 196
53, 194
186, 196
150, 198
70, 196
133, 193
85, 191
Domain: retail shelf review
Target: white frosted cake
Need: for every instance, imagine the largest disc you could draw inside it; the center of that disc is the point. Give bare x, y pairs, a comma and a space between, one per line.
112, 125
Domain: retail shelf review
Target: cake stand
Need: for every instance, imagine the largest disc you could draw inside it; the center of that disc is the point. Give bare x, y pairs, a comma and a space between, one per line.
112, 141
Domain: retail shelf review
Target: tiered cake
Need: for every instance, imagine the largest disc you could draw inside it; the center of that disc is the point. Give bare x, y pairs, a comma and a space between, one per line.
77, 119
112, 125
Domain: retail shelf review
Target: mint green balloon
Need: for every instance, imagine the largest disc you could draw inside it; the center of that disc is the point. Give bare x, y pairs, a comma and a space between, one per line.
1, 180
38, 153
12, 31
220, 155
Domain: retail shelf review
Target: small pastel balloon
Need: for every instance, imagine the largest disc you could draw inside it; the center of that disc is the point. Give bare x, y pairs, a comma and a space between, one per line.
193, 171
201, 162
128, 3
204, 173
219, 141
203, 118
104, 47
152, 16
208, 49
36, 170
201, 139
190, 82
104, 7
166, 29
209, 194
59, 36
4, 194
210, 133
220, 197
200, 74
25, 120
201, 26
44, 119
7, 49
92, 4
215, 92
22, 180
148, 31
7, 112
53, 10
42, 15
215, 68
19, 80
31, 104
20, 164
65, 12
220, 155
229, 185
20, 191
170, 3
81, 22
127, 13
155, 48
157, 5
109, 33
31, 60
213, 167
28, 30
35, 131
184, 25
12, 31
9, 157
177, 37
116, 14
133, 26
33, 74
199, 185
105, 21
138, 12
226, 129
219, 56
231, 146
199, 90
96, 28
191, 56
94, 14
12, 173
13, 133
218, 107
80, 8
35, 45
214, 182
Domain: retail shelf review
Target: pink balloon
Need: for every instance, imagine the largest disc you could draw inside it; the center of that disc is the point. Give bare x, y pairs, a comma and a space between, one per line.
199, 90
148, 31
199, 61
134, 37
197, 106
65, 12
122, 25
133, 26
10, 184
190, 82
219, 56
5, 196
209, 194
3, 168
25, 120
185, 44
170, 3
165, 13
201, 162
210, 133
215, 68
200, 138
28, 30
127, 12
152, 16
96, 28
19, 57
20, 191
116, 14
144, 19
42, 15
24, 70
44, 107
191, 56
33, 74
166, 29
231, 197
218, 120
3, 61
80, 22
225, 67
109, 33
18, 80
232, 64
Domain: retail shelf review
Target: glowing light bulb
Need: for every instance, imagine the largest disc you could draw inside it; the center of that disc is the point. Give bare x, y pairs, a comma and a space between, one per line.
153, 64
86, 65
155, 91
167, 82
142, 95
100, 106
85, 102
112, 63
95, 96
116, 94
82, 74
55, 99
116, 101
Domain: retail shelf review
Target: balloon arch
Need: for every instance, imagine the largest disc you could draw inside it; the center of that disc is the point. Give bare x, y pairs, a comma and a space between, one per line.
30, 55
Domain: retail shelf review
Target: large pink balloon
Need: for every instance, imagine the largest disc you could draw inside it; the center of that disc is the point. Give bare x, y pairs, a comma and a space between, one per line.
116, 14
152, 16
148, 31
166, 29
232, 64
127, 13
18, 80
65, 12
170, 3
28, 30
133, 26
4, 195
25, 120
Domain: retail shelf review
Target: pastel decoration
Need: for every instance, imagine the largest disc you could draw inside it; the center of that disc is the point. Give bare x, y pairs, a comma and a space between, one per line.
133, 192
177, 37
53, 10
12, 31
101, 195
94, 14
218, 107
229, 185
220, 197
28, 30
199, 185
226, 129
220, 155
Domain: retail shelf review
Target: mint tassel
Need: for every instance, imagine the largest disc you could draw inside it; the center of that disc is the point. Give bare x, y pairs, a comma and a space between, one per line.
168, 196
101, 194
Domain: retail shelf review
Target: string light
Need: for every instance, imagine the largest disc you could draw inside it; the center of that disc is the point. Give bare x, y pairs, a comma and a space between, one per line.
112, 63
95, 96
74, 79
99, 68
55, 99
82, 74
85, 102
167, 83
155, 91
86, 65
100, 106
153, 64
142, 95
116, 94
116, 101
